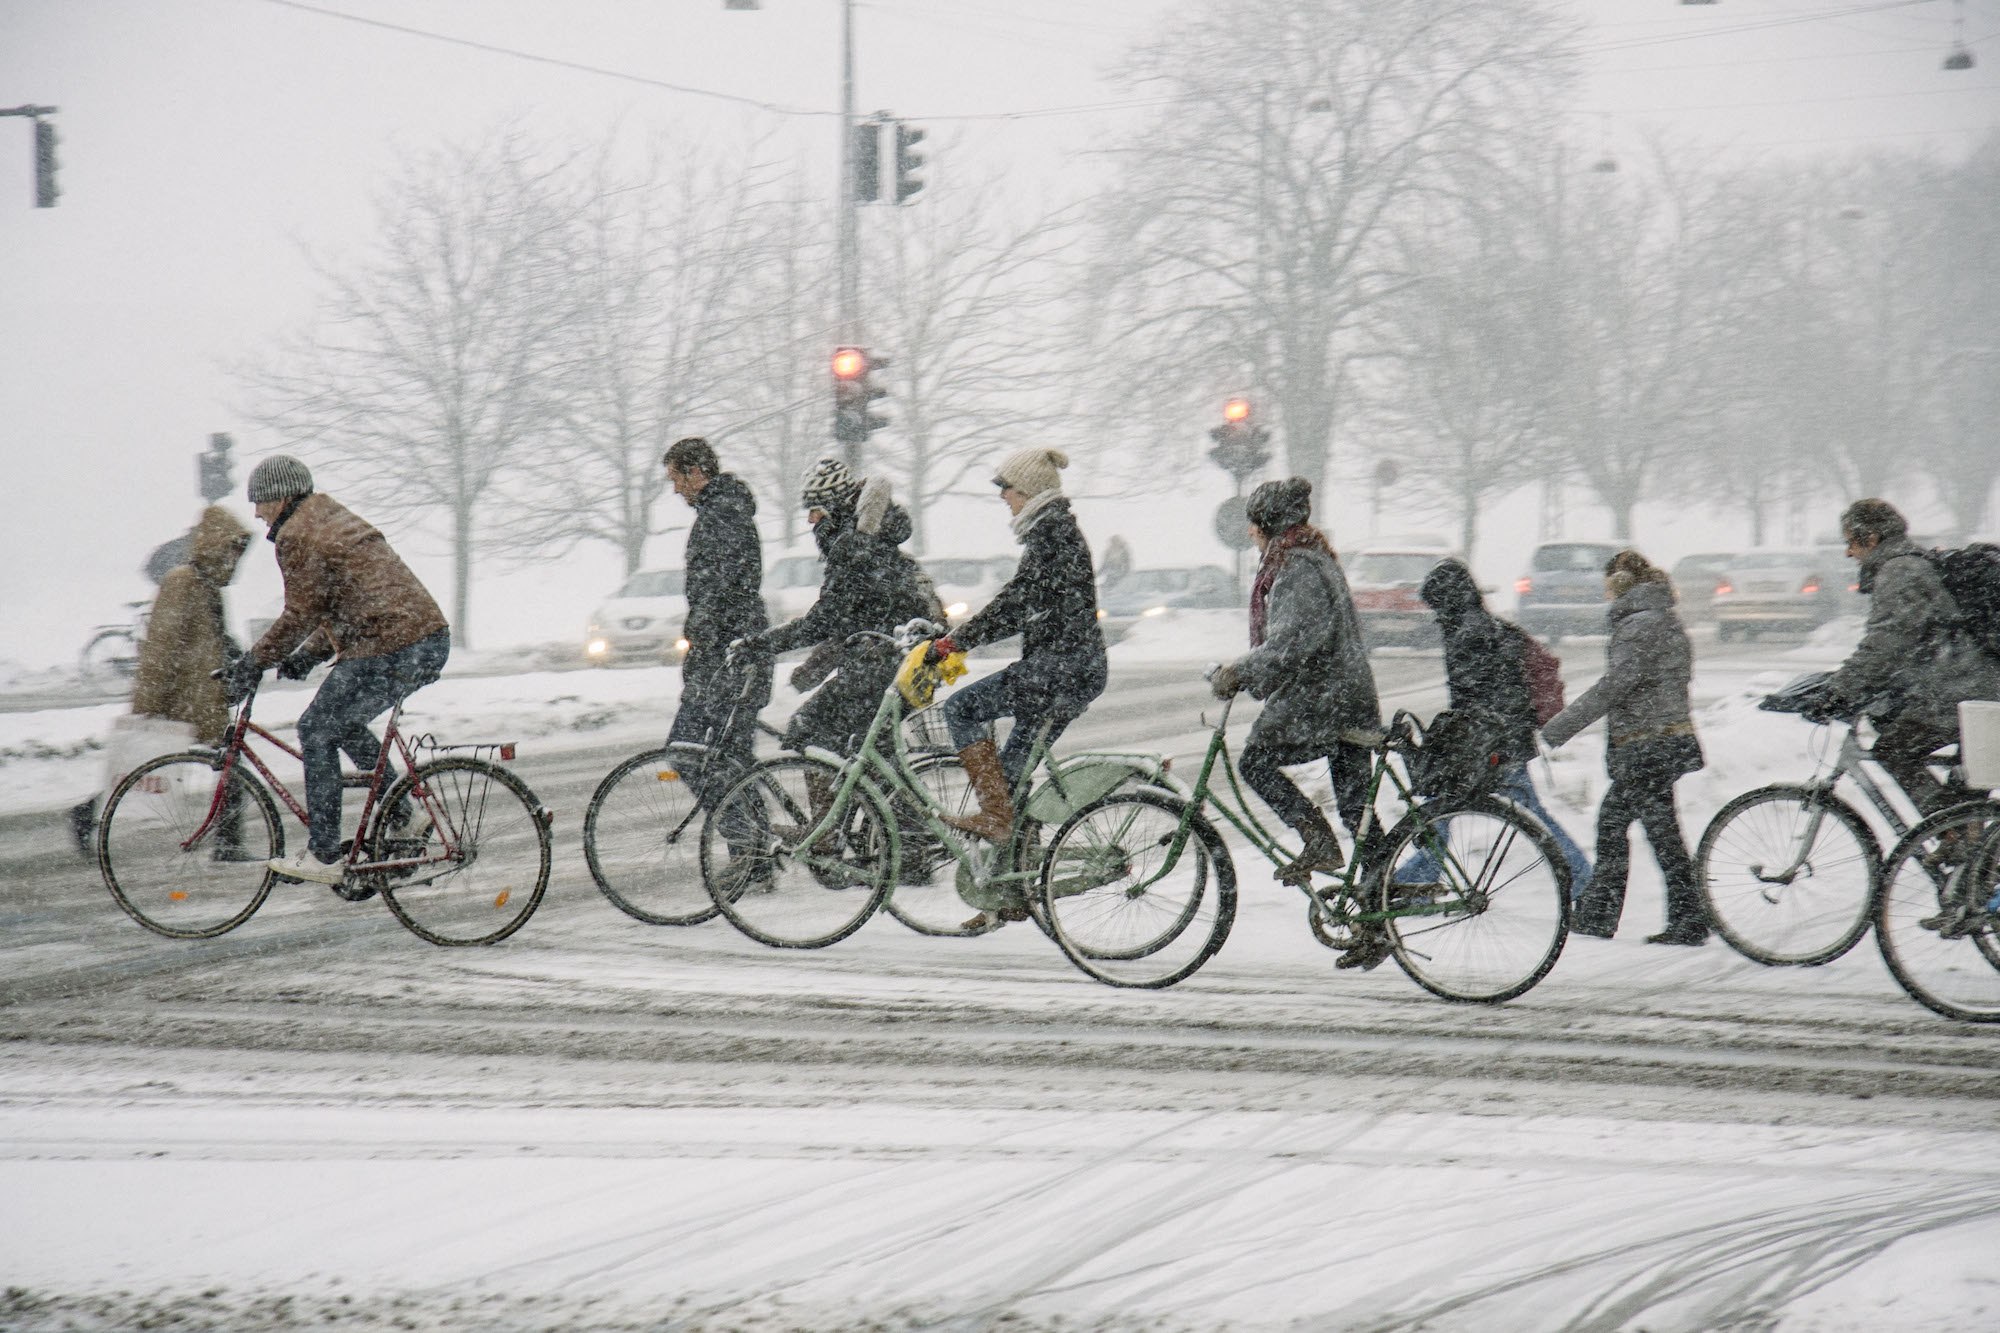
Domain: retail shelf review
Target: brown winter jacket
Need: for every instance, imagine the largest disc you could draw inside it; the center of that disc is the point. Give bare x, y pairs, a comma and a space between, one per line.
186, 637
344, 586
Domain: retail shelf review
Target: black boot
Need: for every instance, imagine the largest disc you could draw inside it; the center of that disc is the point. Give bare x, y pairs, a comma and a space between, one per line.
83, 828
1687, 923
1321, 852
1596, 912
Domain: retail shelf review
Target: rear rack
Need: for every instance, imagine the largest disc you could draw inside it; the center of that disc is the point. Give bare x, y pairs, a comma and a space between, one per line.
500, 750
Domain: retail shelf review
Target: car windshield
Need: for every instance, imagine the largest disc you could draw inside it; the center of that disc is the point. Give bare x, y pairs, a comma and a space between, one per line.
1572, 559
1390, 567
654, 583
956, 572
1701, 564
1774, 560
1141, 581
797, 571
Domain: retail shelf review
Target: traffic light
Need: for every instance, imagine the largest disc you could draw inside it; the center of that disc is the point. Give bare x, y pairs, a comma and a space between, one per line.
866, 145
212, 475
1241, 447
907, 161
45, 164
854, 395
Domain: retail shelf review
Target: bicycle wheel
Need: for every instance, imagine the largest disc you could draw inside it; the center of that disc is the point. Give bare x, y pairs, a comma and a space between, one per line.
770, 886
482, 840
1122, 905
642, 837
111, 655
183, 889
1495, 920
1773, 895
1946, 867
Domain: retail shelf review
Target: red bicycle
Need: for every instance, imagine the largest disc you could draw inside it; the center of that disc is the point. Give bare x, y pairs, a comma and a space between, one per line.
457, 846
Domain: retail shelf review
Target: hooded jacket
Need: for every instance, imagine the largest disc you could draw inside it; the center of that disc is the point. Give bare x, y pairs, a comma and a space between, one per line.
1484, 673
869, 584
1312, 669
725, 568
343, 586
1912, 647
1051, 602
1643, 694
187, 637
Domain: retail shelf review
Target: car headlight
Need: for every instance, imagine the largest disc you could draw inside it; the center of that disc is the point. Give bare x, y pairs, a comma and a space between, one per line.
954, 611
1154, 611
1100, 613
596, 648
681, 646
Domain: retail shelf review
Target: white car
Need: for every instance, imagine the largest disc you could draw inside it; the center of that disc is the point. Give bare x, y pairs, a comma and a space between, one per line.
966, 584
641, 622
791, 586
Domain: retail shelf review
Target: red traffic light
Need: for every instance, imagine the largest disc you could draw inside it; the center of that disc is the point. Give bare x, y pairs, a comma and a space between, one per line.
1236, 409
849, 363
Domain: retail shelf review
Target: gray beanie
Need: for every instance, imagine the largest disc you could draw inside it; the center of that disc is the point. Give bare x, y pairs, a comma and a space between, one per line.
279, 477
1032, 471
827, 484
1278, 505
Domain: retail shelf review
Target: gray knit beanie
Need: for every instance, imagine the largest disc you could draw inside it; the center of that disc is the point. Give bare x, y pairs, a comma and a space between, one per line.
827, 484
279, 477
1032, 471
1278, 505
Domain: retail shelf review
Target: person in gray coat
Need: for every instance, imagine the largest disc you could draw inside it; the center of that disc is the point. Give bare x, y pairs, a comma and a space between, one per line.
1310, 667
1643, 698
1914, 664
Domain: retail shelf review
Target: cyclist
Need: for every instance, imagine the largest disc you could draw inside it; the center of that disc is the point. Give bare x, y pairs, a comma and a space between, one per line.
1051, 602
187, 639
1309, 665
1643, 697
1914, 664
347, 596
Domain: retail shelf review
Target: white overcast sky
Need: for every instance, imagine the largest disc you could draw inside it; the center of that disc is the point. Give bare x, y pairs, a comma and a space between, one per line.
205, 142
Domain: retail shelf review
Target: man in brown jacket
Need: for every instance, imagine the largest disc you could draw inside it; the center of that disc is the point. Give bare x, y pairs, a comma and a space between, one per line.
187, 640
348, 596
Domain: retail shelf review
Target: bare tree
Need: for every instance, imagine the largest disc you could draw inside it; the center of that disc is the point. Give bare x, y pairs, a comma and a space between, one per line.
437, 359
961, 302
1252, 236
1961, 289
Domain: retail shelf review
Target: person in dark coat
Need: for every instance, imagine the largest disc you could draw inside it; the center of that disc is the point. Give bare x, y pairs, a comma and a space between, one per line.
724, 582
1309, 665
1051, 602
1914, 664
869, 584
1487, 682
1643, 697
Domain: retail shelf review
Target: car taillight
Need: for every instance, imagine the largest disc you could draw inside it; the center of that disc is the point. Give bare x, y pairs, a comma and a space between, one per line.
1524, 585
1854, 587
1722, 588
1810, 586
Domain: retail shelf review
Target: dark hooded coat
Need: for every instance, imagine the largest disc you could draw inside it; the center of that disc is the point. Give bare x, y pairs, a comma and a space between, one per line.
1483, 666
1312, 669
1914, 662
187, 637
1051, 602
725, 581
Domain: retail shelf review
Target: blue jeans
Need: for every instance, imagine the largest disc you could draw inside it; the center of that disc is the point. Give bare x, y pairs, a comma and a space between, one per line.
1515, 786
353, 694
970, 714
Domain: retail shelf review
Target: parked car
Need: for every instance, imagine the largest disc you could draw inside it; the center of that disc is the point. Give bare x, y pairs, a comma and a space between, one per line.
1563, 590
1385, 581
791, 585
967, 583
1144, 593
641, 622
1797, 590
1695, 577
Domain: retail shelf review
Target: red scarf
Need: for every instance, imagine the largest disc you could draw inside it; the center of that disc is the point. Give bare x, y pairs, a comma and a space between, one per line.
1280, 548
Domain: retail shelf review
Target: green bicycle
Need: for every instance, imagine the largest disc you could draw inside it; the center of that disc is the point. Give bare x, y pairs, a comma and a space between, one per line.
801, 849
1468, 895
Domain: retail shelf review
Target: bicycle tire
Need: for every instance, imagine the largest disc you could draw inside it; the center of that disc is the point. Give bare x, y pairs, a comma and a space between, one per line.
1462, 946
1955, 977
642, 838
1822, 911
1117, 925
759, 878
925, 897
185, 894
500, 872
103, 659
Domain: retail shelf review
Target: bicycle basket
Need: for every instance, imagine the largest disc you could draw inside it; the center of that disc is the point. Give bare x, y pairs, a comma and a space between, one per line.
924, 730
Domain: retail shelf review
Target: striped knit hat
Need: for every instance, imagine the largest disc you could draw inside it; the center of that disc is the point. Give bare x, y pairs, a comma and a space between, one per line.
826, 484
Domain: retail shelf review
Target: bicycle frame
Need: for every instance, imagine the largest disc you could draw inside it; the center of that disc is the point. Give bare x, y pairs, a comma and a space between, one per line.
236, 747
1847, 764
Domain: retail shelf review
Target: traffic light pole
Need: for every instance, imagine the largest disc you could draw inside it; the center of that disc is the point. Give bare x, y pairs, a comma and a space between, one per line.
849, 259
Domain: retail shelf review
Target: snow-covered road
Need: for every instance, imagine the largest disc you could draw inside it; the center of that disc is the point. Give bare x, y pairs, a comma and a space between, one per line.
319, 1121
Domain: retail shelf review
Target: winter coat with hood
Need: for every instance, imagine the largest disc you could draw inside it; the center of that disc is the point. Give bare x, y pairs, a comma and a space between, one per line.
725, 569
1643, 694
1483, 667
1312, 669
187, 637
1912, 648
1051, 602
869, 584
344, 588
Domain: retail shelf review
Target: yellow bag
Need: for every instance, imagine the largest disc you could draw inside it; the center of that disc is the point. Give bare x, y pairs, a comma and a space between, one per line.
918, 683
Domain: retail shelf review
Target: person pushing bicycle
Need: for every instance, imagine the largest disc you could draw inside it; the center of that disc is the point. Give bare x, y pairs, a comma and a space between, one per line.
348, 596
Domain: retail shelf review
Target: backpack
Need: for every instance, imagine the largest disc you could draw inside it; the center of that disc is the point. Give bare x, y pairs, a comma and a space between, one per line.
1453, 763
1971, 574
1544, 672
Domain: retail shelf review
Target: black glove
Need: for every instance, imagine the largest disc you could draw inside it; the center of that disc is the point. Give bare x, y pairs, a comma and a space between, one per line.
296, 666
239, 677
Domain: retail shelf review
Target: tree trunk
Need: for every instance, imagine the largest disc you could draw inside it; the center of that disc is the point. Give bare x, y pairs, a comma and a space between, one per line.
461, 576
1468, 525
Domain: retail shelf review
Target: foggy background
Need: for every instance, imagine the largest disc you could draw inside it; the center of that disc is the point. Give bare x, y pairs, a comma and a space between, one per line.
226, 164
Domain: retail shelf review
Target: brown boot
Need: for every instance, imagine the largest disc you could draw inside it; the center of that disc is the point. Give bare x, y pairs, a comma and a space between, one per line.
995, 820
1320, 853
